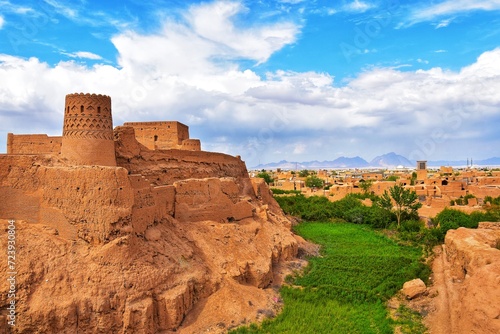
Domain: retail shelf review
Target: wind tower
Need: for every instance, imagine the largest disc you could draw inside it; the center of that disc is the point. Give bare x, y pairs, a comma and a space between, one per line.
421, 170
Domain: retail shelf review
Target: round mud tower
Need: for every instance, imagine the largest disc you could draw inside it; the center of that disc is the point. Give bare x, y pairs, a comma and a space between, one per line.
88, 130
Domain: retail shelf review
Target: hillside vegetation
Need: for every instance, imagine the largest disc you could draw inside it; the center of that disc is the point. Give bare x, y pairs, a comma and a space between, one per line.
351, 209
346, 288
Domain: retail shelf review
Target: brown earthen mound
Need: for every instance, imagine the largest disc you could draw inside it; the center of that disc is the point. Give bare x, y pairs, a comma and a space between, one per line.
166, 240
465, 294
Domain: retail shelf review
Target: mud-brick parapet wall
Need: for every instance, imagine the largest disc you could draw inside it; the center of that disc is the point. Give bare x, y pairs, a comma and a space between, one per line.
93, 203
164, 135
88, 130
33, 144
165, 167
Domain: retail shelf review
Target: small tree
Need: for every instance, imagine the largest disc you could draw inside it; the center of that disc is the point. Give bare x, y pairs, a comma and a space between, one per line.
314, 182
366, 186
304, 173
413, 178
264, 175
400, 200
392, 178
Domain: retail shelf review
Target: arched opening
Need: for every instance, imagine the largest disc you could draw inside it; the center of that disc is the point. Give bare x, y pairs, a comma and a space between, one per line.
156, 138
444, 183
81, 108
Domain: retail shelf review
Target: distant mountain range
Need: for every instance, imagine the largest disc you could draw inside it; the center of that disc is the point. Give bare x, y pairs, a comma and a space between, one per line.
389, 160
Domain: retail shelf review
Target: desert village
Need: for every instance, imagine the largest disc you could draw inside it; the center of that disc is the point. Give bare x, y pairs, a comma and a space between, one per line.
135, 229
461, 188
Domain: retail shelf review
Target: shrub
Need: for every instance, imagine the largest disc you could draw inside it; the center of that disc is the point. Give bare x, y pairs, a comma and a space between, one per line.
453, 219
281, 191
411, 226
467, 197
266, 176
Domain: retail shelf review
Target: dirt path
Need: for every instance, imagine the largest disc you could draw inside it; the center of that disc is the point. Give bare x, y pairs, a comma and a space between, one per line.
441, 320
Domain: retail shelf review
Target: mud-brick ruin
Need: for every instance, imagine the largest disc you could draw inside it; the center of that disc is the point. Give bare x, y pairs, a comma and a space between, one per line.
135, 229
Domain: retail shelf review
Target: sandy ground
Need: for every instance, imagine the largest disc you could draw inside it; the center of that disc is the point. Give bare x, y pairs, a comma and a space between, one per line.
435, 305
441, 295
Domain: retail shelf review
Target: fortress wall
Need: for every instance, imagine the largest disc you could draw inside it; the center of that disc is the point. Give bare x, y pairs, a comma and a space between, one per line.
33, 144
151, 204
93, 203
210, 199
168, 166
18, 199
96, 200
191, 145
160, 135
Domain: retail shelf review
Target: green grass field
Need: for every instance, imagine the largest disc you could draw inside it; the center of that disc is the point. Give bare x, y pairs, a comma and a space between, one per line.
345, 289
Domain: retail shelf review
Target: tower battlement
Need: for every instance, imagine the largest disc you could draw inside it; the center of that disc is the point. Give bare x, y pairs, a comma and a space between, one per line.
88, 130
88, 116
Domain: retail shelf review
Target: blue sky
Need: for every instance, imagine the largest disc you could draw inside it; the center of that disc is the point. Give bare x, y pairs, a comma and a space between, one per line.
268, 80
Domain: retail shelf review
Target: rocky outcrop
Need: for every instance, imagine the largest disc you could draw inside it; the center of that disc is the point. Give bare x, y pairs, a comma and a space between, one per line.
474, 259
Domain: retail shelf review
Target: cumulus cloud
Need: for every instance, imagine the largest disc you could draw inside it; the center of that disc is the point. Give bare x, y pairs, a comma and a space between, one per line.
188, 73
213, 22
2, 21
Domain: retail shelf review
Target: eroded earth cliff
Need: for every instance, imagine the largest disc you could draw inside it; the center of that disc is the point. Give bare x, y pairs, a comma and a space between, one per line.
465, 294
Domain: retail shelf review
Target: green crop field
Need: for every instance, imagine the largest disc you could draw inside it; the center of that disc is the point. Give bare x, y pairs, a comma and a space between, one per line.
345, 289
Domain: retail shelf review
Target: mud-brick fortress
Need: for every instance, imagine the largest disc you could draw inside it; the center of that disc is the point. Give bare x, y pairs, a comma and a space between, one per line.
156, 165
131, 226
88, 134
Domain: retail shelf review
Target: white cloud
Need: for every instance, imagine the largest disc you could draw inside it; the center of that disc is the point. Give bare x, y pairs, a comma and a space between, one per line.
186, 72
83, 55
452, 7
357, 6
444, 23
215, 23
68, 11
299, 148
2, 21
293, 2
12, 8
